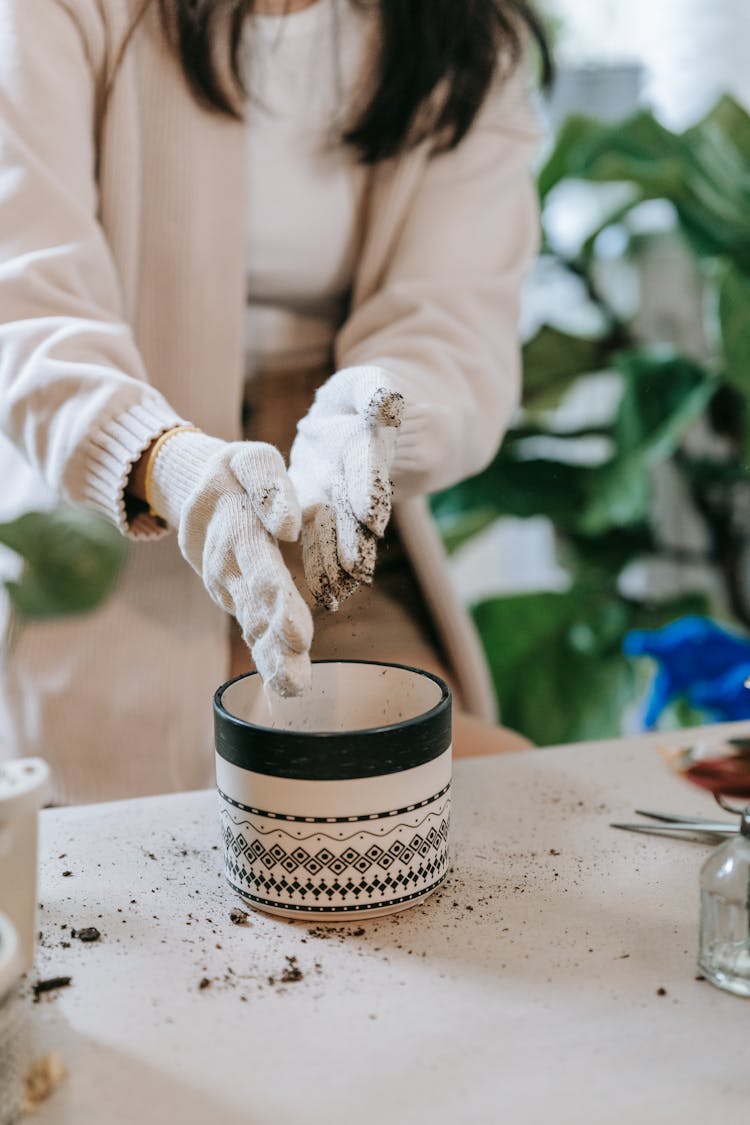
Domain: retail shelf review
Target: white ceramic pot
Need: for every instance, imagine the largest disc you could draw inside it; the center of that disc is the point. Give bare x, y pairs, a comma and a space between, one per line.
24, 785
14, 1053
337, 804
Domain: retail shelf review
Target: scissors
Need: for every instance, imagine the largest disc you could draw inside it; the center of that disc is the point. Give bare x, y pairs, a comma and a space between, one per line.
672, 824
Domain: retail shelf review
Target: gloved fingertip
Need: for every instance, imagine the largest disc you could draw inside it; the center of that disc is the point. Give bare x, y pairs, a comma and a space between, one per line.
292, 677
363, 571
277, 508
378, 518
330, 593
326, 600
386, 408
356, 552
371, 502
294, 624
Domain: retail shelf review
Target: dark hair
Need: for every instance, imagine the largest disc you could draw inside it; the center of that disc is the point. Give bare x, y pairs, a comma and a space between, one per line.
451, 46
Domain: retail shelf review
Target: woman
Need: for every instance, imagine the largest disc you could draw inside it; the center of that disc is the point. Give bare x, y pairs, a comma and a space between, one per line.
376, 155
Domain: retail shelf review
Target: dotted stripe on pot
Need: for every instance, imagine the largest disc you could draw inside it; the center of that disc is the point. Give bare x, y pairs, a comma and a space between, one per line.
333, 819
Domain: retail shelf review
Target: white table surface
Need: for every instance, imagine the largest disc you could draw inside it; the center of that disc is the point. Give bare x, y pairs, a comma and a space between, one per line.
527, 989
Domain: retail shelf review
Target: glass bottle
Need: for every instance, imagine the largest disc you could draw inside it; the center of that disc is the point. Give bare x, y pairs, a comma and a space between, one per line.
724, 956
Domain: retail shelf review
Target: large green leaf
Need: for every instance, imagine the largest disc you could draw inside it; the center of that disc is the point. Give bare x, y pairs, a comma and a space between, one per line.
734, 314
619, 495
571, 154
553, 361
595, 560
703, 171
732, 122
663, 396
460, 525
71, 561
510, 487
554, 683
557, 663
627, 151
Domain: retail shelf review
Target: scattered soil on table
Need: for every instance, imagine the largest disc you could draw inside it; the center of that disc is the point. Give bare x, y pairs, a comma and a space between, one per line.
340, 932
661, 992
51, 984
88, 933
208, 927
290, 974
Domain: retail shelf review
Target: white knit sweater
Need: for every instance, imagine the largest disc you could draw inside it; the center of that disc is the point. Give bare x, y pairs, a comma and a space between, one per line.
121, 312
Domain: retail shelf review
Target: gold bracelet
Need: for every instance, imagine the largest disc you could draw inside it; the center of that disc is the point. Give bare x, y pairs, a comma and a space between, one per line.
155, 451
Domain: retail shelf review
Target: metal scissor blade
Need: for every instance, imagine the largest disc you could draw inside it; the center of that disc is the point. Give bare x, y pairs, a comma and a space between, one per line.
707, 828
676, 818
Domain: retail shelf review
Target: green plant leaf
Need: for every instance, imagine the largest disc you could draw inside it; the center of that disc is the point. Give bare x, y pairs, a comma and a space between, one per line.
511, 487
569, 158
558, 677
616, 217
553, 361
597, 560
71, 561
557, 663
619, 495
732, 122
459, 526
703, 171
663, 396
637, 150
734, 315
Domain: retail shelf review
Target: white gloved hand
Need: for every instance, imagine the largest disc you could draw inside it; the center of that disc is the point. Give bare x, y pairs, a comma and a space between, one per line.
230, 501
340, 465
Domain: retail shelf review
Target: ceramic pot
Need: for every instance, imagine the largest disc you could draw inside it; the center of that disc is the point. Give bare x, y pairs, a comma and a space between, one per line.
337, 804
24, 786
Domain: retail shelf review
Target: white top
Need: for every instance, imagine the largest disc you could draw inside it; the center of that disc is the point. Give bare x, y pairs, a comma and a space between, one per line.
303, 187
552, 978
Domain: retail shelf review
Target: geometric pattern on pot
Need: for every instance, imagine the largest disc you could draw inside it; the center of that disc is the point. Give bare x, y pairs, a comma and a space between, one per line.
333, 819
391, 861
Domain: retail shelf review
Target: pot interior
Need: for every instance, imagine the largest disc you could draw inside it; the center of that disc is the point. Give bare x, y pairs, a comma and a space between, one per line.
345, 696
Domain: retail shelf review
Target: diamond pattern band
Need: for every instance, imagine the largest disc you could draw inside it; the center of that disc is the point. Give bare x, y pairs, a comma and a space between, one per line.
366, 871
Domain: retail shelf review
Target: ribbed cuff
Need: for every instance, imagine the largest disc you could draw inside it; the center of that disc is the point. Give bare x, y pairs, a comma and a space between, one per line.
113, 451
179, 468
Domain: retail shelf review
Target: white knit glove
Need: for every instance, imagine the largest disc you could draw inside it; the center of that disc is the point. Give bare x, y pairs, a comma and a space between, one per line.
230, 501
340, 465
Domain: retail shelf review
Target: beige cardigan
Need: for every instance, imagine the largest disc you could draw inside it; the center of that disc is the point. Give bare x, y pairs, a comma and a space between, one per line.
121, 303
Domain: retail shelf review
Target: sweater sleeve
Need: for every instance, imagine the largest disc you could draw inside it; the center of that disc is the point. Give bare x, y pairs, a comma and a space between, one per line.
74, 395
443, 320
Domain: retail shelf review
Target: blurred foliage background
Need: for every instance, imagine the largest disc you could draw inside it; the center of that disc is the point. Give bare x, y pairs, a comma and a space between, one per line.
656, 425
